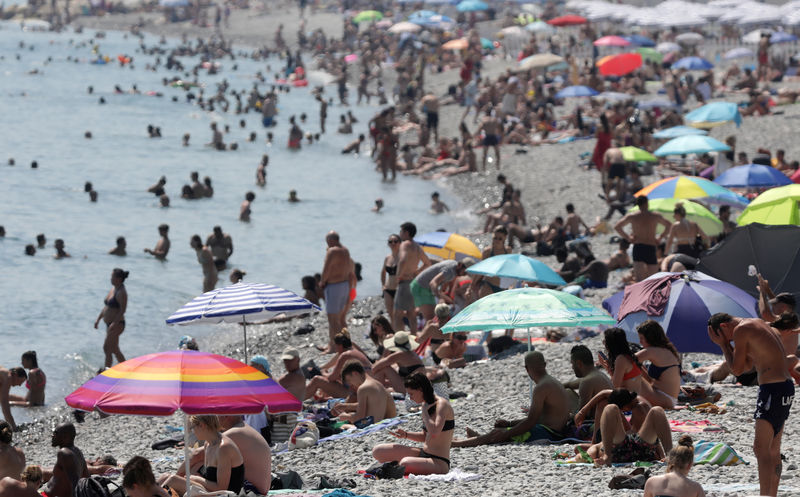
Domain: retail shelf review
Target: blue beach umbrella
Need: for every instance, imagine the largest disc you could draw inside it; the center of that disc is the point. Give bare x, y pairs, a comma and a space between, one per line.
540, 27
691, 144
660, 102
420, 16
471, 6
518, 267
752, 175
782, 37
693, 64
693, 298
576, 91
714, 114
677, 131
738, 53
239, 303
640, 41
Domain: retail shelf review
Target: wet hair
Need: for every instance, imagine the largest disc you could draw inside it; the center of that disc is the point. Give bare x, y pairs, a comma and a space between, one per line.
19, 373
682, 455
718, 319
31, 356
679, 209
421, 382
352, 366
164, 227
384, 323
343, 338
786, 321
137, 471
655, 336
32, 473
309, 283
581, 353
621, 397
211, 421
30, 249
6, 434
250, 196
617, 344
196, 238
410, 227
120, 240
119, 273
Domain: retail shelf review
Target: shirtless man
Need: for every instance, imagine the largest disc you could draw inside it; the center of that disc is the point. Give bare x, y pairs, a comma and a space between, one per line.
410, 261
338, 277
590, 381
614, 164
244, 209
206, 260
255, 452
158, 188
162, 246
221, 246
216, 139
198, 190
372, 397
60, 252
13, 377
643, 237
756, 345
70, 464
12, 459
770, 306
547, 416
493, 134
620, 258
430, 106
354, 146
293, 381
119, 250
573, 222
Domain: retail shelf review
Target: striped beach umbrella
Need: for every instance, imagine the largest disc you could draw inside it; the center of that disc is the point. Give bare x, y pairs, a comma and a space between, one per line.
690, 187
241, 303
446, 245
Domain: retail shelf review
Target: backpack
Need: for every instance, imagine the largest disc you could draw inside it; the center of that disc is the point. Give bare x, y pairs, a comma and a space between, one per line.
96, 486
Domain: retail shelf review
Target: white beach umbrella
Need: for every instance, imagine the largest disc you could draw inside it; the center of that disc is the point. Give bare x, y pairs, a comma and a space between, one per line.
689, 38
668, 46
405, 27
755, 35
738, 53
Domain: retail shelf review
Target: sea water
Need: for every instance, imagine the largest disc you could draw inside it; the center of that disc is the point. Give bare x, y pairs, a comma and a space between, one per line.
50, 305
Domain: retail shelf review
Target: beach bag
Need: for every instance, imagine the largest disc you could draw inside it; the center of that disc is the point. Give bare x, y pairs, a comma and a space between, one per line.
96, 486
290, 479
305, 434
310, 370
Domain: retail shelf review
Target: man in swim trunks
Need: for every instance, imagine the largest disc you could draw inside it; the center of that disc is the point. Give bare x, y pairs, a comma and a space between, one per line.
426, 287
643, 237
338, 276
70, 464
755, 344
221, 246
614, 164
492, 135
206, 260
162, 246
410, 261
547, 416
430, 106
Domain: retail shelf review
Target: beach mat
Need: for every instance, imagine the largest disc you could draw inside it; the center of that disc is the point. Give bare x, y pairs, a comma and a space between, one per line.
386, 423
455, 474
716, 453
690, 426
750, 488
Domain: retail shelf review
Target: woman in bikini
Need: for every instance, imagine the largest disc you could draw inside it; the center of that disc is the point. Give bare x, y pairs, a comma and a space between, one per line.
401, 353
35, 383
138, 479
683, 234
380, 329
436, 436
223, 467
389, 275
113, 314
622, 365
665, 365
676, 481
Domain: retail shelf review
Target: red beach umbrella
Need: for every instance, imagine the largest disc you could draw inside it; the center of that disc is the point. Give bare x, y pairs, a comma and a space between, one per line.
568, 20
611, 41
620, 65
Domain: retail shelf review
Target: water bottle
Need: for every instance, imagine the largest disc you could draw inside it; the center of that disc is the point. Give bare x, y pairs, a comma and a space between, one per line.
751, 270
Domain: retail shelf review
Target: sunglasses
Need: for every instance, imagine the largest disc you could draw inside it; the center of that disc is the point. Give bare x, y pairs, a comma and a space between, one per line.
393, 242
460, 337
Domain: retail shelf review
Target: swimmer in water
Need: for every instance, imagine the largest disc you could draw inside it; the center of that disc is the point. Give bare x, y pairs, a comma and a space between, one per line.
261, 171
354, 146
162, 246
437, 206
30, 249
244, 210
186, 137
119, 250
60, 252
41, 241
93, 196
293, 196
378, 205
163, 200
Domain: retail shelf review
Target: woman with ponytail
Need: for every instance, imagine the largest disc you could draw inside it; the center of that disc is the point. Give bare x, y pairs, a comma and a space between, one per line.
676, 483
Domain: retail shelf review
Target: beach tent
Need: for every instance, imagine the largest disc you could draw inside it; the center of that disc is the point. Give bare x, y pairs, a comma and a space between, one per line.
693, 298
773, 250
752, 176
774, 206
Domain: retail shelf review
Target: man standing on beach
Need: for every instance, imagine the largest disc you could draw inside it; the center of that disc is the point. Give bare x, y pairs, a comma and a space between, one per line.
547, 416
336, 283
643, 237
492, 133
221, 246
206, 260
430, 106
70, 464
410, 261
162, 246
755, 344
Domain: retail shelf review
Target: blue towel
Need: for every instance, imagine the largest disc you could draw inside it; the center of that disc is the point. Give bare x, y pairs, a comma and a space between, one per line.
342, 492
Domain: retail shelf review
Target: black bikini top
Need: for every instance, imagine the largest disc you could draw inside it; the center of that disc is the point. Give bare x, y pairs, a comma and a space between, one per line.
449, 424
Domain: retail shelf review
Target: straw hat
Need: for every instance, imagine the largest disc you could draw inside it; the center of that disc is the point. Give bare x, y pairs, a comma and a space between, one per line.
402, 340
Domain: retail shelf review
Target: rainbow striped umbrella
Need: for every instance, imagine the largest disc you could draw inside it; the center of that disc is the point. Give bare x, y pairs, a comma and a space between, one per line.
691, 187
194, 382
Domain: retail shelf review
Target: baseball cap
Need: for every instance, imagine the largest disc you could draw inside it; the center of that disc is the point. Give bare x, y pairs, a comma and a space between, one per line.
468, 261
784, 298
290, 353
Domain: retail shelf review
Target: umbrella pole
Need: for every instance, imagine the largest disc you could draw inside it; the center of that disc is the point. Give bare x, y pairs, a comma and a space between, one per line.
186, 454
244, 327
530, 381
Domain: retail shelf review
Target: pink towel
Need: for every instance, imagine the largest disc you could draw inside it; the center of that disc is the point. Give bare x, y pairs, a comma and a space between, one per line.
649, 295
693, 426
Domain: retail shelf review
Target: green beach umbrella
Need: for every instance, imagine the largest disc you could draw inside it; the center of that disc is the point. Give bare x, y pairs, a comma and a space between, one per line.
633, 154
651, 54
527, 308
696, 213
774, 206
367, 16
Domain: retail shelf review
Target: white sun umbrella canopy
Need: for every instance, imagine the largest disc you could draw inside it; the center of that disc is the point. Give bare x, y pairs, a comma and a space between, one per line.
689, 38
241, 303
668, 46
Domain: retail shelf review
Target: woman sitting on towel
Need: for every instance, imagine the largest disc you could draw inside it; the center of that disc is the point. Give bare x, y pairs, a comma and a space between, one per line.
665, 365
436, 436
676, 482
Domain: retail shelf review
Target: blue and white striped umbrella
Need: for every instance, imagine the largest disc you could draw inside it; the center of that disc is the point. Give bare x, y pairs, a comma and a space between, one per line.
239, 303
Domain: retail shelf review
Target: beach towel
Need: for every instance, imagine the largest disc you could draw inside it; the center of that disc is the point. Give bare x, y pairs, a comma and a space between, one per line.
455, 474
637, 464
716, 453
650, 295
693, 426
386, 423
342, 492
746, 487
